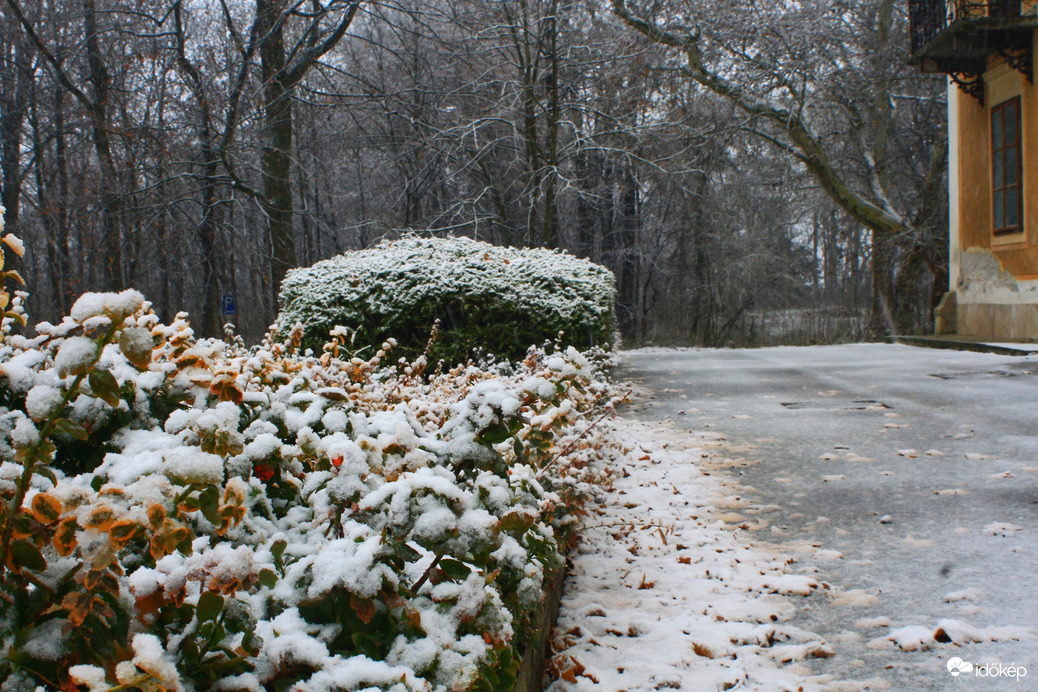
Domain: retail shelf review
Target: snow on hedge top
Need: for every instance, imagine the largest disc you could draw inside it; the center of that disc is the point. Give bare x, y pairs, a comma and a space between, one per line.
408, 271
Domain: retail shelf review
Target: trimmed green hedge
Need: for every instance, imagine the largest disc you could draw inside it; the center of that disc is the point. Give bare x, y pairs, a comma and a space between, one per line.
499, 300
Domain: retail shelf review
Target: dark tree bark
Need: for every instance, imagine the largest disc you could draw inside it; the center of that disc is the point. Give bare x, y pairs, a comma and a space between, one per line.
281, 70
16, 82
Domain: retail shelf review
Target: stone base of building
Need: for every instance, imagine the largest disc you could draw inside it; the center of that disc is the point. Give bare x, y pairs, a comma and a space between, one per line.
995, 321
987, 302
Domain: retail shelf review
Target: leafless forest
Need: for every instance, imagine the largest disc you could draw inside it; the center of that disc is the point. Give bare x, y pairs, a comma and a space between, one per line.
752, 171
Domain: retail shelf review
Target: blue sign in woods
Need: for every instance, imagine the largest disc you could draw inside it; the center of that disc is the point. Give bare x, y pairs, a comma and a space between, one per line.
230, 304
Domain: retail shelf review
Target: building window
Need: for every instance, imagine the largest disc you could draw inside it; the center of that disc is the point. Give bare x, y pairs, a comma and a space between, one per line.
1004, 8
1006, 174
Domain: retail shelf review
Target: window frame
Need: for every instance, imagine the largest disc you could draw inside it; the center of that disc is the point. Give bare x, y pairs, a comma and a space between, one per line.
1004, 8
999, 159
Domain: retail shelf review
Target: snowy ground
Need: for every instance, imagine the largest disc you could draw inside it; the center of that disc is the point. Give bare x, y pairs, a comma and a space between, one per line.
666, 592
900, 483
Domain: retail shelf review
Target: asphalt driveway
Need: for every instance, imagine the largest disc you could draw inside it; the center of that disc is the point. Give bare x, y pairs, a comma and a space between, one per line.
907, 477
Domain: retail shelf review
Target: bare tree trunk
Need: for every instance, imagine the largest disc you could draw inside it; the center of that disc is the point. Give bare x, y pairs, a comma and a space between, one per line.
277, 126
16, 81
280, 77
206, 230
111, 199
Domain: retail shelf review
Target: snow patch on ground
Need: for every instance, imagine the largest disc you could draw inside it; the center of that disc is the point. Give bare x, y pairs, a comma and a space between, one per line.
667, 591
947, 631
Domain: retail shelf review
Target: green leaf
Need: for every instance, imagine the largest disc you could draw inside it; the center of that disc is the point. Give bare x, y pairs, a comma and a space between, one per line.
491, 677
250, 643
278, 550
209, 606
455, 569
209, 503
74, 430
189, 650
47, 473
27, 556
23, 523
516, 522
402, 550
493, 434
268, 578
105, 387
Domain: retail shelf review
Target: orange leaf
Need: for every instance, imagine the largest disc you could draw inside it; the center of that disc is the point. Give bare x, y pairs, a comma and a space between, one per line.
156, 516
92, 579
122, 531
100, 518
16, 245
78, 605
65, 537
149, 604
365, 608
159, 547
227, 585
233, 495
226, 390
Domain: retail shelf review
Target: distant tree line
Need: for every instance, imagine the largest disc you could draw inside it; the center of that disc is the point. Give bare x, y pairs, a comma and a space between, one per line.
751, 171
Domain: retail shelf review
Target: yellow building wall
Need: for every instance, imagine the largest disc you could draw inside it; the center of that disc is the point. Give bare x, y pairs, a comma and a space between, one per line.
1018, 253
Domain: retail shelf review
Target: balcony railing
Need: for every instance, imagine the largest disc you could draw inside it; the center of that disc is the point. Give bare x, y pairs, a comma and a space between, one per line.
931, 17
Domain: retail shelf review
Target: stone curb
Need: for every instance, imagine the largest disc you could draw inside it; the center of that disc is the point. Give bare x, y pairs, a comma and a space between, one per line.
531, 670
964, 345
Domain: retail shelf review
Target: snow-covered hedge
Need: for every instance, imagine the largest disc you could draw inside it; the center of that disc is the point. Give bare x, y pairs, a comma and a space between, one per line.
500, 300
260, 518
182, 514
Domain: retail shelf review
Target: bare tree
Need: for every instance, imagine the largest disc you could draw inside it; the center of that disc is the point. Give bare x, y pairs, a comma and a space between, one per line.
775, 62
94, 95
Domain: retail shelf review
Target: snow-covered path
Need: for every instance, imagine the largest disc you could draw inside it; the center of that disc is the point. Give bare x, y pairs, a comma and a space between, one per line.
666, 592
903, 481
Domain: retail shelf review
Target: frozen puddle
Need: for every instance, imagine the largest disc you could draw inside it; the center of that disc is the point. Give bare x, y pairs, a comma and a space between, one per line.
668, 589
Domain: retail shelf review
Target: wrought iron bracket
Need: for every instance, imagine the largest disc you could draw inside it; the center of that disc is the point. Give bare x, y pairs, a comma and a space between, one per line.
972, 84
1021, 60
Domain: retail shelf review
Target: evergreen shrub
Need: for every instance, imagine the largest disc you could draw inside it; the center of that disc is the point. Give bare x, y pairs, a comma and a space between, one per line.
493, 299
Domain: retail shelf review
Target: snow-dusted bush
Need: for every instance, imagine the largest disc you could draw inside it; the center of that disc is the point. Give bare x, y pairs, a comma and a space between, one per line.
499, 300
256, 518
